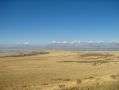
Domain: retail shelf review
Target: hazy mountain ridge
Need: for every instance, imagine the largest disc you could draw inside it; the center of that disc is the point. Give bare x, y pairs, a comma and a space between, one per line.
74, 45
86, 45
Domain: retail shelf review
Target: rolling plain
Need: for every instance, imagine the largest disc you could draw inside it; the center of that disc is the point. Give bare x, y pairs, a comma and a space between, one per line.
59, 70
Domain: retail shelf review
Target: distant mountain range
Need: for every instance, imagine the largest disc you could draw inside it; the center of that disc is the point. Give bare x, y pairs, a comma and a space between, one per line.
64, 45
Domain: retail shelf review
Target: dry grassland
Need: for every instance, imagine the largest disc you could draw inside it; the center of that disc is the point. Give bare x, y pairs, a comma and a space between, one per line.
60, 70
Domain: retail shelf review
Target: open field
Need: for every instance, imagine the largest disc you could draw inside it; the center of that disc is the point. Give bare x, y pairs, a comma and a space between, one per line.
59, 70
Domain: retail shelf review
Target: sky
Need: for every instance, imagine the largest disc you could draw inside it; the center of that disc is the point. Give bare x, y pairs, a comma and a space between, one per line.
43, 21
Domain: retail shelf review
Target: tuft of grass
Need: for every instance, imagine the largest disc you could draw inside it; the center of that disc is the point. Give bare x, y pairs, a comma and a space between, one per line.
62, 86
44, 84
78, 81
115, 76
91, 77
67, 79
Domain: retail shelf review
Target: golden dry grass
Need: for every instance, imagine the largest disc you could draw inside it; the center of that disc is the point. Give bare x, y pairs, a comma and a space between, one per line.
59, 70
